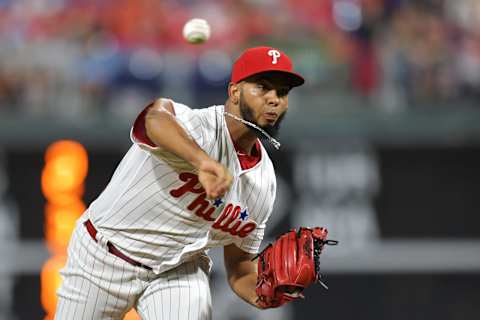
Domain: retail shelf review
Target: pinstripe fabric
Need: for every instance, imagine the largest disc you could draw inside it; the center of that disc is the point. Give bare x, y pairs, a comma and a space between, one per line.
182, 293
99, 285
96, 284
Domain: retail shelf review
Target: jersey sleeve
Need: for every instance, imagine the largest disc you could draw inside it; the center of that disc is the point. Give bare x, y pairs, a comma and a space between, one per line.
251, 243
192, 121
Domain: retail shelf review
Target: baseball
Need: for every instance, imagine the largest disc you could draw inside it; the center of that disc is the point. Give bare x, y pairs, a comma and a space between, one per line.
196, 31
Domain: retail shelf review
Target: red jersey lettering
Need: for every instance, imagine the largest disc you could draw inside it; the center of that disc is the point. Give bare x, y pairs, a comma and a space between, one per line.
228, 221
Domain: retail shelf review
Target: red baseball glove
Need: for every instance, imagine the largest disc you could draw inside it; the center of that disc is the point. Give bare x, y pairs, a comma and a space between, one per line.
289, 265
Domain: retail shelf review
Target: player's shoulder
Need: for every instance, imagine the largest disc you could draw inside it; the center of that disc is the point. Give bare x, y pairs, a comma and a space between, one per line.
210, 111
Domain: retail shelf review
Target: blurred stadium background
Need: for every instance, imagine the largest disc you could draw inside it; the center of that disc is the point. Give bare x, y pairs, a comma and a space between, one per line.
382, 144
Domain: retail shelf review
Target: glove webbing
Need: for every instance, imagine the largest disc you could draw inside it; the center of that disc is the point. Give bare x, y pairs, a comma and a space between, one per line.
317, 249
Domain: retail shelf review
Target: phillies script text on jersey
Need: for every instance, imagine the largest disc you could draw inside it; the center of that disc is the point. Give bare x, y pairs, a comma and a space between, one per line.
226, 221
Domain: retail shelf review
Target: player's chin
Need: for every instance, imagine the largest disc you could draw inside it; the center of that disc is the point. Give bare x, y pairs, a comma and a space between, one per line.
271, 129
267, 122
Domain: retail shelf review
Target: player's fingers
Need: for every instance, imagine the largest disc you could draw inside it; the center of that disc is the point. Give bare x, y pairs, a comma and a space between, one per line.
227, 183
221, 179
223, 185
213, 190
227, 179
219, 193
212, 167
215, 194
211, 194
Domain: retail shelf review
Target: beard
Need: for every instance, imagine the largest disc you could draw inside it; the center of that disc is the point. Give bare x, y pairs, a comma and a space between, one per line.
247, 113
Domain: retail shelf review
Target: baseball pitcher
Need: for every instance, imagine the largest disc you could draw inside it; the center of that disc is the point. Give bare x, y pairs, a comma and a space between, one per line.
193, 179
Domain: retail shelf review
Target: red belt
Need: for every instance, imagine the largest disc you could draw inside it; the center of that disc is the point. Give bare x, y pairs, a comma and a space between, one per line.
111, 248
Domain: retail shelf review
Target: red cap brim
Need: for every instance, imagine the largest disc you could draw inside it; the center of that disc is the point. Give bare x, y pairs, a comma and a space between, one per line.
294, 79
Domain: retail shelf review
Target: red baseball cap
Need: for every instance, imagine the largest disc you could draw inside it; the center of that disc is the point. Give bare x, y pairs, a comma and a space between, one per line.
264, 59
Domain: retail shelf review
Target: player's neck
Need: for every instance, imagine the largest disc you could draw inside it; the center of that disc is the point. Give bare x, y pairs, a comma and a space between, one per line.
242, 135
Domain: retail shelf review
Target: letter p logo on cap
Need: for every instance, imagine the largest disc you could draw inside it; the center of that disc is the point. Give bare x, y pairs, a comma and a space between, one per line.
275, 54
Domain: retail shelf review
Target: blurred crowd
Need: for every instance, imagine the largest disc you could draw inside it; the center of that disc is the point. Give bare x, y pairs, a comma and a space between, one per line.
83, 58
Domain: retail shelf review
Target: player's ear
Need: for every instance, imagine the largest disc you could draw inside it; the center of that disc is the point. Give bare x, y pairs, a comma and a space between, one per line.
234, 92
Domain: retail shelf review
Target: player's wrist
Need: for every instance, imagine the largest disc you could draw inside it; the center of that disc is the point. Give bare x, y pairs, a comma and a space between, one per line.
198, 159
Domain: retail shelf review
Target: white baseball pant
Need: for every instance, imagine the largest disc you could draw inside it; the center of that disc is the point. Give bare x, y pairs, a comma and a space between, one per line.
99, 285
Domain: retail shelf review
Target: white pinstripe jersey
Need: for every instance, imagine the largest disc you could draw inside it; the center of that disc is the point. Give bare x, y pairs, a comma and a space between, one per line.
155, 211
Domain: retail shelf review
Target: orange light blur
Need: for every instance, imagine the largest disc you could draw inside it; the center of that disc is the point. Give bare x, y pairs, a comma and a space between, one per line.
66, 167
50, 282
59, 224
62, 182
68, 148
132, 315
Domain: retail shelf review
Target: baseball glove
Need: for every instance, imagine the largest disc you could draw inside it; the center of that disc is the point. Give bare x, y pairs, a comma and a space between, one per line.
289, 265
